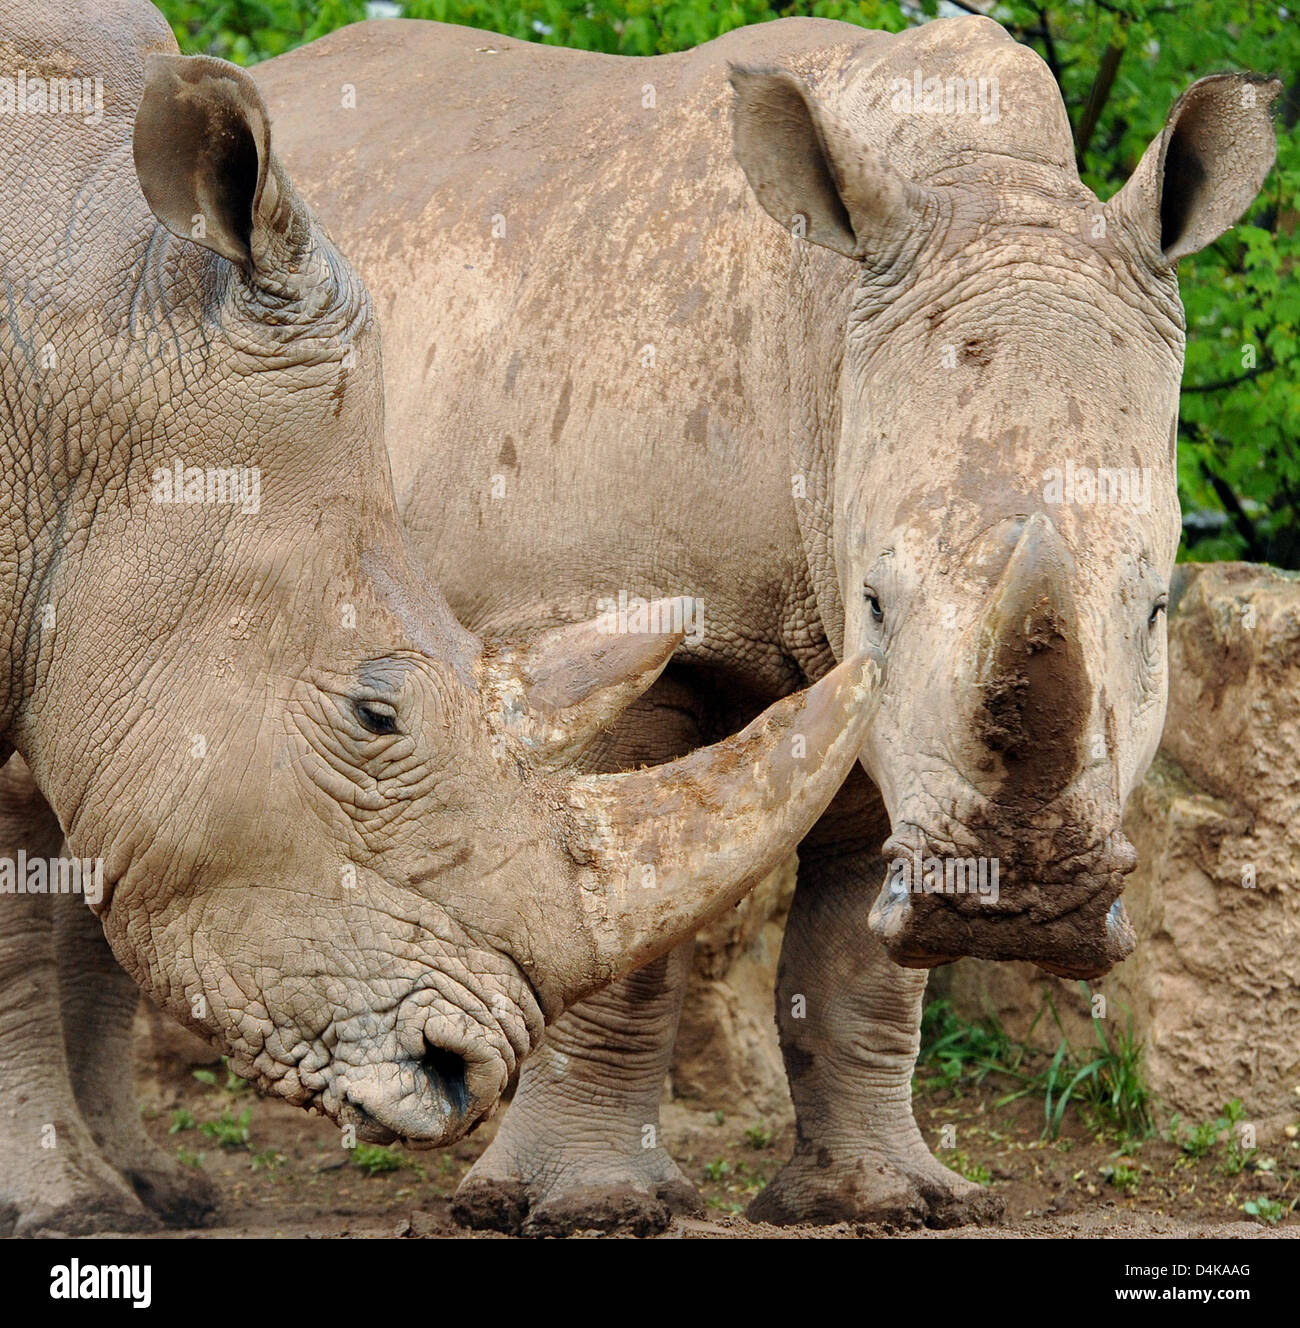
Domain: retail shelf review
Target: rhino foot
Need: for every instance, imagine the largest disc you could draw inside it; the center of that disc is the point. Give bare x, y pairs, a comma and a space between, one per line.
635, 1196
814, 1189
180, 1196
73, 1204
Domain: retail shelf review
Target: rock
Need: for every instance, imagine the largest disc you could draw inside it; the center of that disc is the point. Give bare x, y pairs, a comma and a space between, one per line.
1214, 986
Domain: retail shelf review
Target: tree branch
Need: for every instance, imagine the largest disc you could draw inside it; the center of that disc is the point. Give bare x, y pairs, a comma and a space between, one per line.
1097, 99
1263, 367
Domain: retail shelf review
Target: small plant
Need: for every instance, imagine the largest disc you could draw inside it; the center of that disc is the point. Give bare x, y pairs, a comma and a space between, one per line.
233, 1084
1265, 1210
725, 1205
758, 1137
1122, 1176
718, 1169
189, 1159
375, 1159
719, 1117
229, 1130
267, 1160
1204, 1138
182, 1119
965, 1166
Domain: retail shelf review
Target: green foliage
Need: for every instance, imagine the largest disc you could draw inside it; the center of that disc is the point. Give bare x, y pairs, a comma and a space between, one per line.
958, 1161
954, 1051
269, 1159
758, 1137
1123, 1176
1120, 64
229, 1130
1265, 1210
375, 1159
1198, 1140
1104, 1084
1108, 1085
181, 1119
246, 31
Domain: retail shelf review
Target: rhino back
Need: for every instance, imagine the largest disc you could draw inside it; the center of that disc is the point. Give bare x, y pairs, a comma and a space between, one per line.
597, 348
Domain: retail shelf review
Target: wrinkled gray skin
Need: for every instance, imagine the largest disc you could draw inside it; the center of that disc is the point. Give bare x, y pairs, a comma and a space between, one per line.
340, 838
610, 368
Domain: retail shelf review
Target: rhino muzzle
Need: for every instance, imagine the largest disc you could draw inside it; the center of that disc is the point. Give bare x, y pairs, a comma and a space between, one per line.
1066, 917
1029, 861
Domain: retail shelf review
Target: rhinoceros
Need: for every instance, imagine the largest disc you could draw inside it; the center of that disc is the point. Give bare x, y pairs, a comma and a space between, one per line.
316, 819
820, 326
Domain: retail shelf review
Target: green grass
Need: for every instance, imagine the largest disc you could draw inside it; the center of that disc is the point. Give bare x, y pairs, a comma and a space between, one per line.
955, 1051
1103, 1083
965, 1166
376, 1160
229, 1130
181, 1119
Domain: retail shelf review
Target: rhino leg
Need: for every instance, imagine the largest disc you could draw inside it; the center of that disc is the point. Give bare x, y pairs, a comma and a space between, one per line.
859, 1155
99, 1002
54, 1177
578, 1148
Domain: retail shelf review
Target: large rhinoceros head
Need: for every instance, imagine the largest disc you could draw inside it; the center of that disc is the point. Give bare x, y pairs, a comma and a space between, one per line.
1002, 488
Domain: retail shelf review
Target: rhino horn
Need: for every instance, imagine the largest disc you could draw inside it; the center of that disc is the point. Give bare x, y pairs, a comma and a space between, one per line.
1028, 672
555, 695
664, 850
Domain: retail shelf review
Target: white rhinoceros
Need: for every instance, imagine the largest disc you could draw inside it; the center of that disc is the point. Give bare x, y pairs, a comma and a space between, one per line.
933, 410
318, 821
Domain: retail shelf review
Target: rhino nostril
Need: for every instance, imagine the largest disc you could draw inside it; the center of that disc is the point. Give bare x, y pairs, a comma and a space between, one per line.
447, 1070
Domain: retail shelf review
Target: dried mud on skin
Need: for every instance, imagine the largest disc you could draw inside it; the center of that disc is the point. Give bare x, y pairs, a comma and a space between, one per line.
1049, 1190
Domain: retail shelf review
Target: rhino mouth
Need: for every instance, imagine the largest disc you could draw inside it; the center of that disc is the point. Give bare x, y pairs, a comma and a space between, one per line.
938, 904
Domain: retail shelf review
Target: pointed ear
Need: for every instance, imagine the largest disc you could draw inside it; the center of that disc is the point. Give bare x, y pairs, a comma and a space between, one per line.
802, 162
203, 156
558, 692
1205, 167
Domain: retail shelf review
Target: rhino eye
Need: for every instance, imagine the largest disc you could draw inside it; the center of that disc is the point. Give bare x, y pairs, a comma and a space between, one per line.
873, 603
375, 716
1156, 610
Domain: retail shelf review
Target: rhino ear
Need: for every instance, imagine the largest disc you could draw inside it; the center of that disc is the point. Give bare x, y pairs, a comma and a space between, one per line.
810, 174
203, 156
1204, 168
559, 692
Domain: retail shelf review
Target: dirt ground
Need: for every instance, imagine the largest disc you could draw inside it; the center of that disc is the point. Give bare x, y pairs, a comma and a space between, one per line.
282, 1172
